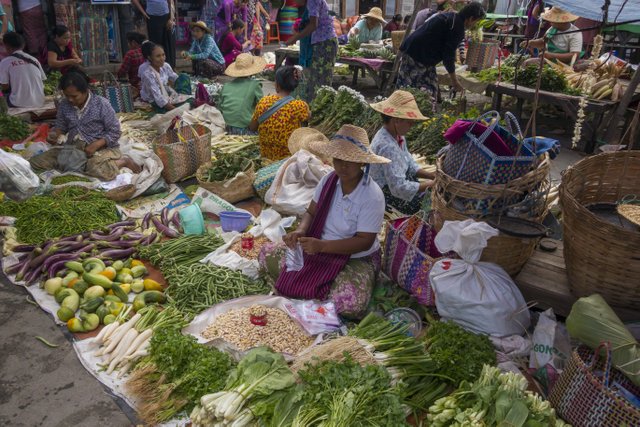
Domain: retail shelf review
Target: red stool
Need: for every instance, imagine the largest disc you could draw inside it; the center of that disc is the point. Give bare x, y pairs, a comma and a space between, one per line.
274, 32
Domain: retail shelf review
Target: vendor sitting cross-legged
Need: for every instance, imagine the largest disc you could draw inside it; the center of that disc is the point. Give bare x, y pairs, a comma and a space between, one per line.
338, 233
399, 179
563, 39
92, 133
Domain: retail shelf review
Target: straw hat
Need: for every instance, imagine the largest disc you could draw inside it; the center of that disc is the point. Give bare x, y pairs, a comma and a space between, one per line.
401, 104
375, 13
350, 144
630, 212
245, 65
558, 16
202, 26
303, 139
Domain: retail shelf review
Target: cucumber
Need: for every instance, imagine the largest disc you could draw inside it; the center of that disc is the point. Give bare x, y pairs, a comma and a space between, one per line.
117, 291
74, 266
80, 287
71, 300
96, 279
118, 265
147, 297
102, 312
94, 292
65, 314
91, 305
112, 298
138, 271
68, 278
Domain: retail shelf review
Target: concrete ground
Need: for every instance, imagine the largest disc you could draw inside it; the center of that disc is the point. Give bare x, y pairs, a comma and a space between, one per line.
43, 386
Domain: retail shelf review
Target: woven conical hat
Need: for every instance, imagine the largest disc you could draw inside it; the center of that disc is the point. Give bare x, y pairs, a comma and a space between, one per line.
350, 144
401, 104
630, 212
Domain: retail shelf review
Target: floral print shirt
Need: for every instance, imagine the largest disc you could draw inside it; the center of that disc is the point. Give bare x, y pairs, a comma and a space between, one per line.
273, 133
325, 30
394, 174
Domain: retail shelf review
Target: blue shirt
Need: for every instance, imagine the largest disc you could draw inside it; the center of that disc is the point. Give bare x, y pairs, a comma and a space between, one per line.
365, 35
157, 7
94, 121
394, 174
206, 48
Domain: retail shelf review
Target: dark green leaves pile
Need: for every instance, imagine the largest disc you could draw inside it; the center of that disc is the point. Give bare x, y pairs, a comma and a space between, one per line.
336, 394
66, 179
13, 128
226, 166
69, 211
52, 83
322, 105
458, 353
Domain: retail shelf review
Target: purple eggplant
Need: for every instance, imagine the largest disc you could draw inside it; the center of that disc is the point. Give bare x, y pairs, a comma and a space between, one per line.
32, 276
175, 220
115, 235
24, 248
13, 269
121, 244
133, 235
73, 247
57, 257
56, 267
145, 220
149, 239
164, 216
164, 229
117, 253
127, 223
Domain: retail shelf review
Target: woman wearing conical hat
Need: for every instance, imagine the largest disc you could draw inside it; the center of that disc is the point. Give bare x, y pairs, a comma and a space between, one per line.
399, 179
338, 233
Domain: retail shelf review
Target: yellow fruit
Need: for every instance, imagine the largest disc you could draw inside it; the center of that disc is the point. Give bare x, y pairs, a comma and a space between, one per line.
151, 285
126, 287
109, 273
136, 263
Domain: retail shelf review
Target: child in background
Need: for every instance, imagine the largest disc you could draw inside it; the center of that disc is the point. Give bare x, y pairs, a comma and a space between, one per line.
239, 97
133, 59
230, 47
277, 116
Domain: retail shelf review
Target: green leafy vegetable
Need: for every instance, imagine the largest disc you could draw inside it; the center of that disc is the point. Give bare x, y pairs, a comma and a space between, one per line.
13, 128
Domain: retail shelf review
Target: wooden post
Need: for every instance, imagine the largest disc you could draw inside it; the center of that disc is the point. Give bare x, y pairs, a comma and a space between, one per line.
613, 132
418, 6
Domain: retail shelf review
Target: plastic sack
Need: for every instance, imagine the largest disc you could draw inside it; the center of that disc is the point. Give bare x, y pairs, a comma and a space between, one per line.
149, 162
211, 203
17, 180
160, 186
83, 180
292, 189
479, 296
272, 225
551, 345
314, 316
294, 258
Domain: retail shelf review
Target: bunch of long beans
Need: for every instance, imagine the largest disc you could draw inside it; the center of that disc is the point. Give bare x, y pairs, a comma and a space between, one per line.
181, 251
69, 211
194, 288
405, 358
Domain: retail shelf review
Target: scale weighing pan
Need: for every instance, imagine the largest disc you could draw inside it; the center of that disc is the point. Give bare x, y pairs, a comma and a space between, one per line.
516, 227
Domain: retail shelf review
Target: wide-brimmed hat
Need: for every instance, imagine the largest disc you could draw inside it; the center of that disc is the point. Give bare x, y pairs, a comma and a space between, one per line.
202, 26
401, 104
556, 15
350, 144
630, 212
304, 138
375, 13
246, 65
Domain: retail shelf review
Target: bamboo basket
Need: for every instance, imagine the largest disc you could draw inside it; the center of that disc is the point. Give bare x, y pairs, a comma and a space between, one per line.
600, 256
456, 200
233, 190
396, 39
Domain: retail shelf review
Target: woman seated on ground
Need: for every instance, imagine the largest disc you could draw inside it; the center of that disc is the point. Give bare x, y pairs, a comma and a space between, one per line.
369, 27
61, 56
156, 79
399, 179
338, 233
21, 76
133, 59
239, 97
230, 47
207, 60
277, 116
92, 132
560, 46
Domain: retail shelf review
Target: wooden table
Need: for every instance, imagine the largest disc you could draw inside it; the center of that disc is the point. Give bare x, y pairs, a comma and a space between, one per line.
568, 104
544, 279
380, 76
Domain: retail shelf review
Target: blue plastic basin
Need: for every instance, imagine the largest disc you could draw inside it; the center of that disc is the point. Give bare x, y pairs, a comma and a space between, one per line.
234, 221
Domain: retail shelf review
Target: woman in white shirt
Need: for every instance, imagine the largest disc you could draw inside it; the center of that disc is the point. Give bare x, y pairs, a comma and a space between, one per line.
21, 75
338, 233
156, 79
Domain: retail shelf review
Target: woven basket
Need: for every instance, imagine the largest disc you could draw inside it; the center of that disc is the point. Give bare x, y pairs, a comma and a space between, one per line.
456, 200
600, 256
182, 151
396, 39
582, 398
233, 190
481, 55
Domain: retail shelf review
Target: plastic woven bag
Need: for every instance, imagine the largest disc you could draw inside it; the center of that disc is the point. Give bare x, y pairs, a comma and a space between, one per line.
17, 180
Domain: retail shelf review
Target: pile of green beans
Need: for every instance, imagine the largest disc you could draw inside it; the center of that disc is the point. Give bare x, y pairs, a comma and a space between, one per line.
65, 179
193, 289
183, 250
69, 211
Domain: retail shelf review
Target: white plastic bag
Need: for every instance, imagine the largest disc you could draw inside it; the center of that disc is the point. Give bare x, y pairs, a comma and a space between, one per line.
148, 161
479, 296
295, 183
315, 317
17, 180
551, 345
272, 225
294, 258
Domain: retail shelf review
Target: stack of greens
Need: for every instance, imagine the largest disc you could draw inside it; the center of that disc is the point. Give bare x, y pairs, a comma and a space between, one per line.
13, 128
551, 80
227, 166
322, 105
338, 394
177, 372
495, 399
347, 107
71, 210
52, 83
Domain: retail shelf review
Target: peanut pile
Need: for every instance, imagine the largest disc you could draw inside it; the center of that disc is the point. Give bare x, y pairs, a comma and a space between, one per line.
253, 253
281, 333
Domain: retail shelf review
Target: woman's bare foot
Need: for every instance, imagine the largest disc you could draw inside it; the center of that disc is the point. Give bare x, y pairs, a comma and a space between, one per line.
127, 162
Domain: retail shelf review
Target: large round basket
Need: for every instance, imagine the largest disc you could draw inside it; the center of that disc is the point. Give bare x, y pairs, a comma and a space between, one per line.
601, 256
233, 190
456, 200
